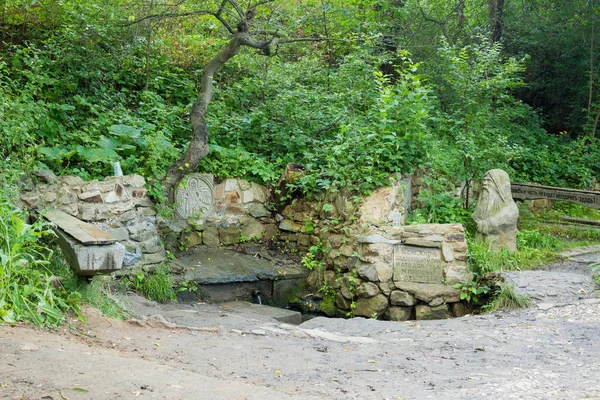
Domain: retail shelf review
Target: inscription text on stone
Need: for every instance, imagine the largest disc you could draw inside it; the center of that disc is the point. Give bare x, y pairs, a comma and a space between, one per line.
420, 265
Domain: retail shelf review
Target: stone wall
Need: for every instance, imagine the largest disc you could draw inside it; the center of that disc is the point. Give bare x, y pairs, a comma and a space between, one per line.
407, 272
228, 213
117, 205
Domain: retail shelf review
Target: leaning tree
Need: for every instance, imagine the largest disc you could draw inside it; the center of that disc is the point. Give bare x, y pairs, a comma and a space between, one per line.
244, 29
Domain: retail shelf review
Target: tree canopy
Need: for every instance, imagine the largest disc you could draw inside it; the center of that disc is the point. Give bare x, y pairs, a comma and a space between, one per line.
353, 90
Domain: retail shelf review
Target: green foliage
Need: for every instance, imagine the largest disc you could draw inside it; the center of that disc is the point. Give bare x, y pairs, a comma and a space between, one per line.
506, 298
472, 291
28, 288
482, 259
157, 285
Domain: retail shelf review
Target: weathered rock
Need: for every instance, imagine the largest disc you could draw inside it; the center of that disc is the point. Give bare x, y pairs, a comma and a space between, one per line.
45, 176
447, 253
151, 245
399, 313
192, 239
119, 234
229, 235
429, 291
459, 309
290, 226
256, 193
155, 258
400, 298
146, 211
341, 302
367, 289
134, 180
253, 230
386, 287
303, 240
372, 307
92, 196
143, 230
424, 312
258, 210
92, 259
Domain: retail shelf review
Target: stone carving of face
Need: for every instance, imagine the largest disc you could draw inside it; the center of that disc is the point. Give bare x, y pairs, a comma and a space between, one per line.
495, 193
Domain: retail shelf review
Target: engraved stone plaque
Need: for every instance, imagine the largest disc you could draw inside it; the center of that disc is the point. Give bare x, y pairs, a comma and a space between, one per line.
195, 196
417, 264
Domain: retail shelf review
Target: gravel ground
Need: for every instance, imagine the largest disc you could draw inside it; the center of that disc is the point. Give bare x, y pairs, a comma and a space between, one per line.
548, 351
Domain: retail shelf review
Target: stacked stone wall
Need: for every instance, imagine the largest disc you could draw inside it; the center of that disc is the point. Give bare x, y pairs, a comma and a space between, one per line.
117, 205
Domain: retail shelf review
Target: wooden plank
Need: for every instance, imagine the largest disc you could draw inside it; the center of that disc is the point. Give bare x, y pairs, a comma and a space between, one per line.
530, 191
82, 231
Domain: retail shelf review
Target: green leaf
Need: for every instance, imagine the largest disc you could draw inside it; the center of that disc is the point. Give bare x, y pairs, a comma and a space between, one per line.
124, 131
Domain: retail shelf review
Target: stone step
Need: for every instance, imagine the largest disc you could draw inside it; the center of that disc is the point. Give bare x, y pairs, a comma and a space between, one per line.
225, 275
280, 314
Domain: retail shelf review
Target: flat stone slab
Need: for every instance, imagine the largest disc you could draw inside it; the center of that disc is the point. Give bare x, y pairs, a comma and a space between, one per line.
579, 251
279, 314
217, 266
83, 232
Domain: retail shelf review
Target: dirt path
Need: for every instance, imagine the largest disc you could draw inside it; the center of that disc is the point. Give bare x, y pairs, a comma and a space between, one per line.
548, 351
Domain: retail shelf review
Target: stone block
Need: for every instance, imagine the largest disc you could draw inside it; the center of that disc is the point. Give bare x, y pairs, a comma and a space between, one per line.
134, 180
154, 258
457, 273
399, 313
92, 196
253, 230
270, 231
49, 197
447, 253
146, 211
256, 193
386, 287
400, 298
151, 245
367, 290
233, 198
303, 240
142, 230
372, 307
93, 259
229, 235
119, 234
342, 302
231, 185
422, 242
458, 309
424, 312
244, 185
258, 210
289, 226
429, 291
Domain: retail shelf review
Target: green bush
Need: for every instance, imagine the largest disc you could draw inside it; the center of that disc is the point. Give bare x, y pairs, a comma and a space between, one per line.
29, 291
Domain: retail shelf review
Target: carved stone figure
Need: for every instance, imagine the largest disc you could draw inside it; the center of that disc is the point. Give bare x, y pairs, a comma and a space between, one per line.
196, 196
496, 213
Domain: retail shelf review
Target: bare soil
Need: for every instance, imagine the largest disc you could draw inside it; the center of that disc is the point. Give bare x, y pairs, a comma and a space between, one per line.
548, 351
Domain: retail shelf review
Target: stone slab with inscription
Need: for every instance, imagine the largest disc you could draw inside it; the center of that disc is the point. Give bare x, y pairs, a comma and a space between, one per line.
417, 264
195, 196
528, 191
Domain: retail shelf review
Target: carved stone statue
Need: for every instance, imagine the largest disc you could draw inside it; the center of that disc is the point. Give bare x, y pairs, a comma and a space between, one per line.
496, 213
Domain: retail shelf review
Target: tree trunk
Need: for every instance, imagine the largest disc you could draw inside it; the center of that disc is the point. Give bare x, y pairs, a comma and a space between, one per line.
496, 18
198, 147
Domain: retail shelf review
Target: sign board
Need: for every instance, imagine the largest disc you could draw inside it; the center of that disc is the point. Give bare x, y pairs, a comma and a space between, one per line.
417, 264
195, 196
529, 191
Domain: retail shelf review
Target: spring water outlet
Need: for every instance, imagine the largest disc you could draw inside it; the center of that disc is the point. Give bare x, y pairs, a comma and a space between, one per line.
256, 293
